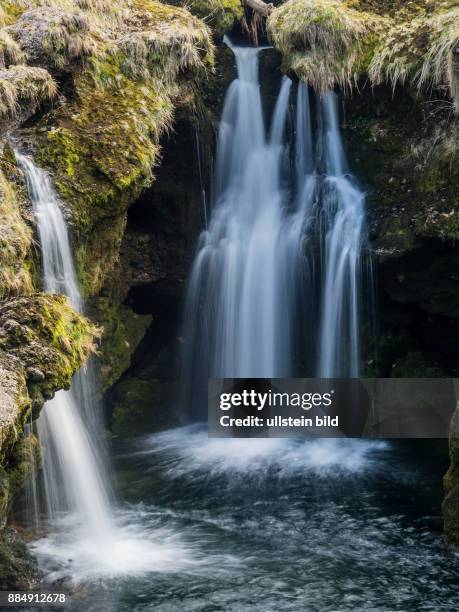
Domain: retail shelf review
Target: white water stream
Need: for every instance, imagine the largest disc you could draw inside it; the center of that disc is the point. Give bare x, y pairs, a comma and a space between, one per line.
73, 481
88, 536
257, 277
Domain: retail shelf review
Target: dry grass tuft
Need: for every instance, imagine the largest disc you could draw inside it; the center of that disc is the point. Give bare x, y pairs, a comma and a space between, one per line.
421, 52
15, 241
57, 38
70, 38
96, 6
24, 84
333, 42
160, 41
440, 65
398, 58
10, 52
149, 37
8, 98
322, 40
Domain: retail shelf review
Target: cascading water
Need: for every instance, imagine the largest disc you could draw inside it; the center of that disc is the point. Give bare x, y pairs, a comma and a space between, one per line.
342, 219
238, 524
236, 321
88, 536
72, 474
256, 279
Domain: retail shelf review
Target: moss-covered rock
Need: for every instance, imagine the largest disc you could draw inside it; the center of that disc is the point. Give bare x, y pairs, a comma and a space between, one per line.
333, 42
103, 141
122, 331
15, 234
17, 568
220, 15
100, 151
121, 66
410, 168
15, 406
139, 406
323, 41
43, 341
47, 338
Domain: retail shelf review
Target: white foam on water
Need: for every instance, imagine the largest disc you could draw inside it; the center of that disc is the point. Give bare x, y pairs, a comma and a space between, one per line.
142, 546
189, 449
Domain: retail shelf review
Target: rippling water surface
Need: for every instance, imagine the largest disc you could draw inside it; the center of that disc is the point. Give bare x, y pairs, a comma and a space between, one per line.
265, 525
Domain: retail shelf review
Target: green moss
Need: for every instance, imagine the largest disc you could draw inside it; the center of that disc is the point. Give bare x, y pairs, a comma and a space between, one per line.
395, 236
221, 15
438, 180
123, 330
15, 406
45, 333
15, 235
102, 145
43, 342
25, 457
410, 168
17, 568
4, 496
11, 11
135, 403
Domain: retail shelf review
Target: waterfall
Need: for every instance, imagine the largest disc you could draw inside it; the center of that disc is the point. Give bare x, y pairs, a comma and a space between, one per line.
342, 218
274, 287
73, 479
88, 537
236, 305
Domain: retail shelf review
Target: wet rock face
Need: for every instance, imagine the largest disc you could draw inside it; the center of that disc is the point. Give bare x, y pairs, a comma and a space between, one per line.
162, 230
451, 484
17, 569
427, 277
15, 405
47, 340
403, 149
42, 344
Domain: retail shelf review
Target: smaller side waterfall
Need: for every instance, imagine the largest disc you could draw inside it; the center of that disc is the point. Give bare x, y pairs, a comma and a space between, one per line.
87, 536
73, 480
58, 271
